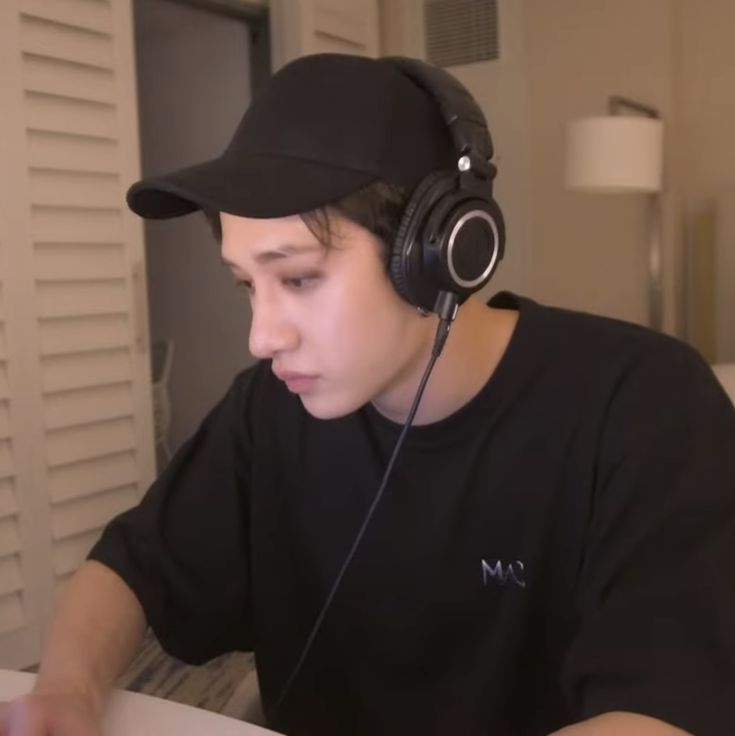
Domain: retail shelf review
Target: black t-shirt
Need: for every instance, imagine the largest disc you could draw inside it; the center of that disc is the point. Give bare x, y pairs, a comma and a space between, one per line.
561, 546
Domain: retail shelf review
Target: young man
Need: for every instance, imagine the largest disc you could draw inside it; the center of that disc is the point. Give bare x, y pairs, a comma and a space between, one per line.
552, 550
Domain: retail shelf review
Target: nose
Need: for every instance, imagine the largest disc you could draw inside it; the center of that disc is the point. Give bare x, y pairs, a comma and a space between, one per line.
271, 331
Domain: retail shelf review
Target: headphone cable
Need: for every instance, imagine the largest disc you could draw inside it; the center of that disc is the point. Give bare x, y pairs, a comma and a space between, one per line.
446, 308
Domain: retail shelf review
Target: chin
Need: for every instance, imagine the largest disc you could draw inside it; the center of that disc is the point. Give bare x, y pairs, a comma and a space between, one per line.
329, 407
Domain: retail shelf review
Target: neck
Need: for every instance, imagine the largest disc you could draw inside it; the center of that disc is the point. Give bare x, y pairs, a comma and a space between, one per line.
476, 343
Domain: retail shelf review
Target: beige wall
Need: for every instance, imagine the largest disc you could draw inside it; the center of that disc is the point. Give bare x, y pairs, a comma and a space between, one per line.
589, 251
705, 43
705, 89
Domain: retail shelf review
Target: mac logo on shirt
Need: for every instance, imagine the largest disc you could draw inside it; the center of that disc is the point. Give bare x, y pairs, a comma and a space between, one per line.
500, 573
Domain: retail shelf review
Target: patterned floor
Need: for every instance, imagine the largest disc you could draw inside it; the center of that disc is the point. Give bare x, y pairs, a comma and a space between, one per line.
226, 685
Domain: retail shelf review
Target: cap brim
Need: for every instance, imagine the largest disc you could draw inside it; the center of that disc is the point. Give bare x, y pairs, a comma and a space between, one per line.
258, 186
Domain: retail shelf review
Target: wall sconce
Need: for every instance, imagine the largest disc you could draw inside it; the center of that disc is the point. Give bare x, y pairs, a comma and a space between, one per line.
623, 153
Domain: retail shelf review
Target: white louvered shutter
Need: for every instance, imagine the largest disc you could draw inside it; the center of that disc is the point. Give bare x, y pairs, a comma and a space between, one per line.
301, 27
21, 578
78, 445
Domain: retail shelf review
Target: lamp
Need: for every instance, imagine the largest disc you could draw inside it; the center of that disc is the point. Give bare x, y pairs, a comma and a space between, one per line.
621, 153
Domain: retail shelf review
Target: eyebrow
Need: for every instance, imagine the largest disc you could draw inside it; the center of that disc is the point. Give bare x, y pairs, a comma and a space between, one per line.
284, 251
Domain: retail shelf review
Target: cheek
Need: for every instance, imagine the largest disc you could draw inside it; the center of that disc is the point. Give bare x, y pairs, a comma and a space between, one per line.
360, 315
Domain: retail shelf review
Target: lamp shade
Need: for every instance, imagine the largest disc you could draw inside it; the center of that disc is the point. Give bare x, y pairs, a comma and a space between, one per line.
616, 153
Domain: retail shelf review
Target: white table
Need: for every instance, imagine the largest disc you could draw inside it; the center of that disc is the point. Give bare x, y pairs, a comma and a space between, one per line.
133, 714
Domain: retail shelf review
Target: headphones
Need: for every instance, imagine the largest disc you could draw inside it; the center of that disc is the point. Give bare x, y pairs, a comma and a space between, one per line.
452, 234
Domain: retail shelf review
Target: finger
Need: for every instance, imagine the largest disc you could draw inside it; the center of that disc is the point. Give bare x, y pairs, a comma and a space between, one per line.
17, 719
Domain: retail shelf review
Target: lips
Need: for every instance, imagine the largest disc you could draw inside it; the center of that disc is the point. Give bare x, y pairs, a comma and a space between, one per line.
291, 375
296, 382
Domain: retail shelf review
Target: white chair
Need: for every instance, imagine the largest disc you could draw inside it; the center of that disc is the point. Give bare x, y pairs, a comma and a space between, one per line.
725, 372
162, 352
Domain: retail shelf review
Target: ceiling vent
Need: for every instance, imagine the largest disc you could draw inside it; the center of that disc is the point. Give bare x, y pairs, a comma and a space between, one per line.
461, 31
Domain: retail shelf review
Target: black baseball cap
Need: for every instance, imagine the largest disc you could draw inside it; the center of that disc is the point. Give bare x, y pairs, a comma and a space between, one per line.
325, 126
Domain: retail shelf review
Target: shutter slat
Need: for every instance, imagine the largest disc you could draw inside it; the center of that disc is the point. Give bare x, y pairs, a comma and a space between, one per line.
67, 261
56, 224
5, 428
327, 44
11, 613
68, 43
339, 23
79, 443
84, 334
88, 514
95, 16
64, 372
66, 115
70, 553
8, 502
69, 152
79, 298
67, 79
4, 387
92, 476
87, 406
75, 189
7, 465
11, 579
9, 536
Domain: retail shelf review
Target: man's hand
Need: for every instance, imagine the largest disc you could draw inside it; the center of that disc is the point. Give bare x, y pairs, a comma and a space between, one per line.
49, 714
96, 630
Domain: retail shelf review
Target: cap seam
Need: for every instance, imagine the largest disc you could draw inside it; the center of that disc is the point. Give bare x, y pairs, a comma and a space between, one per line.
320, 162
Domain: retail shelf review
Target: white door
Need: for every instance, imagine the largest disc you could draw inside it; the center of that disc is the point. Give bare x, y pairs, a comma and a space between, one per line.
76, 443
302, 27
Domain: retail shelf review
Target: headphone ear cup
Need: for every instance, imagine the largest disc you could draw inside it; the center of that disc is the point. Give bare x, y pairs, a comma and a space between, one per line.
413, 217
496, 213
464, 237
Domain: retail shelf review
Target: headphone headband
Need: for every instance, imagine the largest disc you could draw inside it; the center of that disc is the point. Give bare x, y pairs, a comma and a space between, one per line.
462, 115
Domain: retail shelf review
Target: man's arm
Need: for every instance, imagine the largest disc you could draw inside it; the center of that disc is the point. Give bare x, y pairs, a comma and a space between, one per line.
621, 724
96, 631
97, 628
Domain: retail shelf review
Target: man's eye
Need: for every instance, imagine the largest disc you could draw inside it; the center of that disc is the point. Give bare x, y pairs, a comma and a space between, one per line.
300, 282
246, 285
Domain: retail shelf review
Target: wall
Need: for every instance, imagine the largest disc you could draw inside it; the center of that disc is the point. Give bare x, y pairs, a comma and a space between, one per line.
706, 98
705, 92
589, 251
188, 111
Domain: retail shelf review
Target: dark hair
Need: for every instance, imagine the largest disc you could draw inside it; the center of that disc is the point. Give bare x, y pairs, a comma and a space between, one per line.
212, 218
378, 208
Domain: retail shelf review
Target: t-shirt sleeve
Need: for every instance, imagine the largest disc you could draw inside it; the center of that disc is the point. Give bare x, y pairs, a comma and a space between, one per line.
657, 584
184, 550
